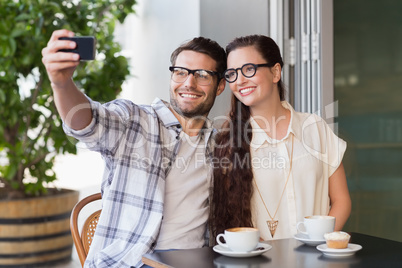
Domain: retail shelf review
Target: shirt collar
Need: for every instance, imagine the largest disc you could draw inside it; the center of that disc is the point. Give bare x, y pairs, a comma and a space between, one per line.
168, 119
164, 114
260, 136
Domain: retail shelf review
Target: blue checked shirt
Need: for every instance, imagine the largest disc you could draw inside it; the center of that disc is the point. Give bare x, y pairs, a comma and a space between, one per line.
139, 145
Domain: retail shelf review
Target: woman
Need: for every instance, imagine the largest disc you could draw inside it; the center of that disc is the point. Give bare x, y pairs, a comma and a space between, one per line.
277, 165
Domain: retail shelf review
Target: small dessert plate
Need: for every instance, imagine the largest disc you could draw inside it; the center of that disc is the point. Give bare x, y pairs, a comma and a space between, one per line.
261, 248
343, 252
306, 240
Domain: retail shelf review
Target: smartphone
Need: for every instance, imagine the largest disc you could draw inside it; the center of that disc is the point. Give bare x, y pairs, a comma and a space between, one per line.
85, 46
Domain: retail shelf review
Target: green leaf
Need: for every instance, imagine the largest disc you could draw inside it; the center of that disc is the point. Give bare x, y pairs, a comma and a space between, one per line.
2, 96
23, 17
18, 31
10, 171
13, 46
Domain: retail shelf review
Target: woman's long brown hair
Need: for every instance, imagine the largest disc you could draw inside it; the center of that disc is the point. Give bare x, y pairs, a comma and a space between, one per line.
233, 174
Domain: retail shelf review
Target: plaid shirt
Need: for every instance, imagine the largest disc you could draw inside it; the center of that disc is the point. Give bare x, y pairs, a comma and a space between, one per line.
139, 145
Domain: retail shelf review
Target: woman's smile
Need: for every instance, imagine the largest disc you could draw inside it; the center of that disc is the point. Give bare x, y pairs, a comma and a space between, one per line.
246, 91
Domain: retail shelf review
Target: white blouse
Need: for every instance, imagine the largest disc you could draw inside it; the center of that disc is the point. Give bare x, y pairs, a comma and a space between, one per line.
317, 153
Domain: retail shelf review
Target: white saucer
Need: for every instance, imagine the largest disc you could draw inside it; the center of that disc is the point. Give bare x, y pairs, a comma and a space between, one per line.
306, 240
344, 252
227, 252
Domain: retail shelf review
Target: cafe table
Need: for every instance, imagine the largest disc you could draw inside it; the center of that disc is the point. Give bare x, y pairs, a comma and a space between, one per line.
375, 252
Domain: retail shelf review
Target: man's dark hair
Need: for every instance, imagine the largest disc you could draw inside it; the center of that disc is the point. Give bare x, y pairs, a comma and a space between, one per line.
205, 46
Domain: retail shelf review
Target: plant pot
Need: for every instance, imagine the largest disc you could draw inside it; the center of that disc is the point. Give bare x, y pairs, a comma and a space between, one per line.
36, 231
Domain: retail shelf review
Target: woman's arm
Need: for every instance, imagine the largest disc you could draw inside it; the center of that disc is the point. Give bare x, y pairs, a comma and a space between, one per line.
341, 204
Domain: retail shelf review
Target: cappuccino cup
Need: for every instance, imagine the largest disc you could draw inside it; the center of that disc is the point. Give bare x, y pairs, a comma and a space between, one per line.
240, 239
316, 226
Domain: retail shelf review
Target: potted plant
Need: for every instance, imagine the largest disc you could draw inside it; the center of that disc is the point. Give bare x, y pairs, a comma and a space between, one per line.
31, 132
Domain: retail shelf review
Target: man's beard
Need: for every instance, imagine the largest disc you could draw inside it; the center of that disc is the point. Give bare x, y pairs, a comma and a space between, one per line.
200, 110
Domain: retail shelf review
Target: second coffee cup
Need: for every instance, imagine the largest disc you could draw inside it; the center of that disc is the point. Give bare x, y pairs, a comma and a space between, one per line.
316, 226
240, 239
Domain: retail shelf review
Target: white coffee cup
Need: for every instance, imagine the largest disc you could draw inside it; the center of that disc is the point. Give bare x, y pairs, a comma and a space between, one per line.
316, 226
240, 239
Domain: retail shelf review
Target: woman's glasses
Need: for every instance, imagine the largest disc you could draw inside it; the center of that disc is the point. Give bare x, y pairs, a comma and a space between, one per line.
248, 70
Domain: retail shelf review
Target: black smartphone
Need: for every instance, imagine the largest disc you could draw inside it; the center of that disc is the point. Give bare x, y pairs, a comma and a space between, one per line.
85, 46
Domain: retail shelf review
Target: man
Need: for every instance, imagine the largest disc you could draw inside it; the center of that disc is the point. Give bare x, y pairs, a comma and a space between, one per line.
157, 176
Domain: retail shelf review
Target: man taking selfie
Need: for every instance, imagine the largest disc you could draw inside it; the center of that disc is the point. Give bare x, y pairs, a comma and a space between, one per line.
155, 187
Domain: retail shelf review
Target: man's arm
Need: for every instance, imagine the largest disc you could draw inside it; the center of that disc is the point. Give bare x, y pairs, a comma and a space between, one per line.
71, 103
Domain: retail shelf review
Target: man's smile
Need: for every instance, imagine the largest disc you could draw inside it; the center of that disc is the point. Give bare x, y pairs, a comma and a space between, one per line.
189, 95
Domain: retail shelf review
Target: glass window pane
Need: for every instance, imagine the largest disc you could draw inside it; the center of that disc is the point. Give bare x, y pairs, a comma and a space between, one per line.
368, 86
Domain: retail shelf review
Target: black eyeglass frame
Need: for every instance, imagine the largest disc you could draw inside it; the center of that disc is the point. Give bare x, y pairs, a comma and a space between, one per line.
172, 68
256, 66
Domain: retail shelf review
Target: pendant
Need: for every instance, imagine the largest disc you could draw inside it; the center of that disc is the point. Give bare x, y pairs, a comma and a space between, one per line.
272, 226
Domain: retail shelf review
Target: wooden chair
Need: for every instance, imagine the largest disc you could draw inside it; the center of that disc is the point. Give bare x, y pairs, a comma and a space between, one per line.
83, 239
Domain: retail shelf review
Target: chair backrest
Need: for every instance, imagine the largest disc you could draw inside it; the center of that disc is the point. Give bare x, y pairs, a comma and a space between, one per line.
82, 240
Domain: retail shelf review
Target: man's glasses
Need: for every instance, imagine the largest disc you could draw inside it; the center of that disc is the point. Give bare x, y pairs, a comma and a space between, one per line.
202, 77
248, 70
